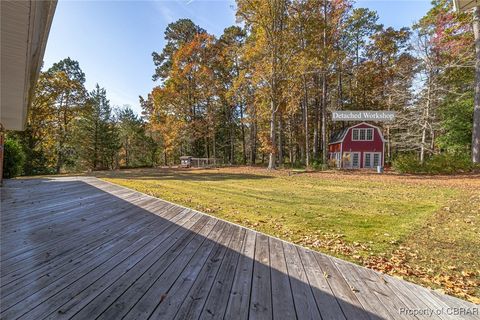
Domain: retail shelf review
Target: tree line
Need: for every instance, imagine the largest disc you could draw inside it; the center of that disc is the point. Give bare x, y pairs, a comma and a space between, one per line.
263, 91
71, 129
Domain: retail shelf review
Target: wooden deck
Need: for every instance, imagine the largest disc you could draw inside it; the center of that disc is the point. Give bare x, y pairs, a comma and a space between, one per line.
82, 248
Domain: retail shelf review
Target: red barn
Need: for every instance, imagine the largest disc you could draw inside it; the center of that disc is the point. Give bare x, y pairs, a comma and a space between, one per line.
359, 146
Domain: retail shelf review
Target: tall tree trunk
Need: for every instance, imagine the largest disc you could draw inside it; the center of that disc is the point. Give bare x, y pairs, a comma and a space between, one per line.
476, 110
127, 160
232, 137
316, 120
214, 149
389, 140
290, 140
95, 148
280, 139
357, 51
389, 144
207, 143
422, 144
425, 122
59, 160
432, 143
324, 119
305, 119
340, 87
60, 157
299, 141
273, 153
59, 163
244, 144
324, 87
253, 142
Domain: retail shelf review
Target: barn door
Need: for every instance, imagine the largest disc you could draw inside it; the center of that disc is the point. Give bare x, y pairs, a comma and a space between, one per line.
351, 160
356, 160
371, 159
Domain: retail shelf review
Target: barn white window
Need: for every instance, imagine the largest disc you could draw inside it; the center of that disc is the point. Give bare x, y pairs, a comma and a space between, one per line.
369, 134
362, 134
376, 159
368, 160
355, 159
355, 134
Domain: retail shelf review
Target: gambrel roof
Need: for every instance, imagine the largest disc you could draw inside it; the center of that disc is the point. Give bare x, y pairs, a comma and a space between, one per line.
339, 136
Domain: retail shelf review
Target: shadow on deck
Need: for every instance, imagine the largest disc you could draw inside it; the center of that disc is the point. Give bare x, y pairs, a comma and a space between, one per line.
81, 248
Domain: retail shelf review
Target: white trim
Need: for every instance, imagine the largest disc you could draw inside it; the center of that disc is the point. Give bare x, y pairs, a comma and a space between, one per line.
371, 125
383, 154
341, 155
366, 130
372, 155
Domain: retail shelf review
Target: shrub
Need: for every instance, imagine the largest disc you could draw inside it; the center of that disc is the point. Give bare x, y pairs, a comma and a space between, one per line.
449, 163
444, 163
14, 158
319, 165
407, 163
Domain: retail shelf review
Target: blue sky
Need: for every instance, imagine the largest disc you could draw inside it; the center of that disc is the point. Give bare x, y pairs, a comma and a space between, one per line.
113, 40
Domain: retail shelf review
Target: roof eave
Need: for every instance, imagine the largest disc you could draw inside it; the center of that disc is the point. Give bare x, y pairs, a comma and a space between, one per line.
25, 28
465, 5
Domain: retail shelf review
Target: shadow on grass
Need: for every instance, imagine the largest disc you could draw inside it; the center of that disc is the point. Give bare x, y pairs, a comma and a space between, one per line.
178, 174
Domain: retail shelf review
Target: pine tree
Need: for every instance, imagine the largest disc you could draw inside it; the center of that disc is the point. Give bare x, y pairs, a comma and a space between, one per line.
137, 148
97, 134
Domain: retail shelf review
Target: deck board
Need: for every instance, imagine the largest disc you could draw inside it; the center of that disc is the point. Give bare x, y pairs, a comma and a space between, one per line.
192, 288
239, 301
109, 270
305, 304
283, 303
101, 237
261, 294
82, 248
216, 303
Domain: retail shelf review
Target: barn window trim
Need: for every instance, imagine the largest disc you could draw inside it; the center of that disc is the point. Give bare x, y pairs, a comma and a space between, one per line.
362, 134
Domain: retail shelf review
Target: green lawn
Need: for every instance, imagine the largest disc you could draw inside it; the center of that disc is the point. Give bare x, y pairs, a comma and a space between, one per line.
357, 216
293, 206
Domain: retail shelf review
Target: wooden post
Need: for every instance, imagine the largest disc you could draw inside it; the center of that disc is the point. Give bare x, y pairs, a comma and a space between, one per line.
476, 110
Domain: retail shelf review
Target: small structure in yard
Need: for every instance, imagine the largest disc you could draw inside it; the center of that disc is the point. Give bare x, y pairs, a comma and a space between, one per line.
185, 161
191, 162
358, 146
